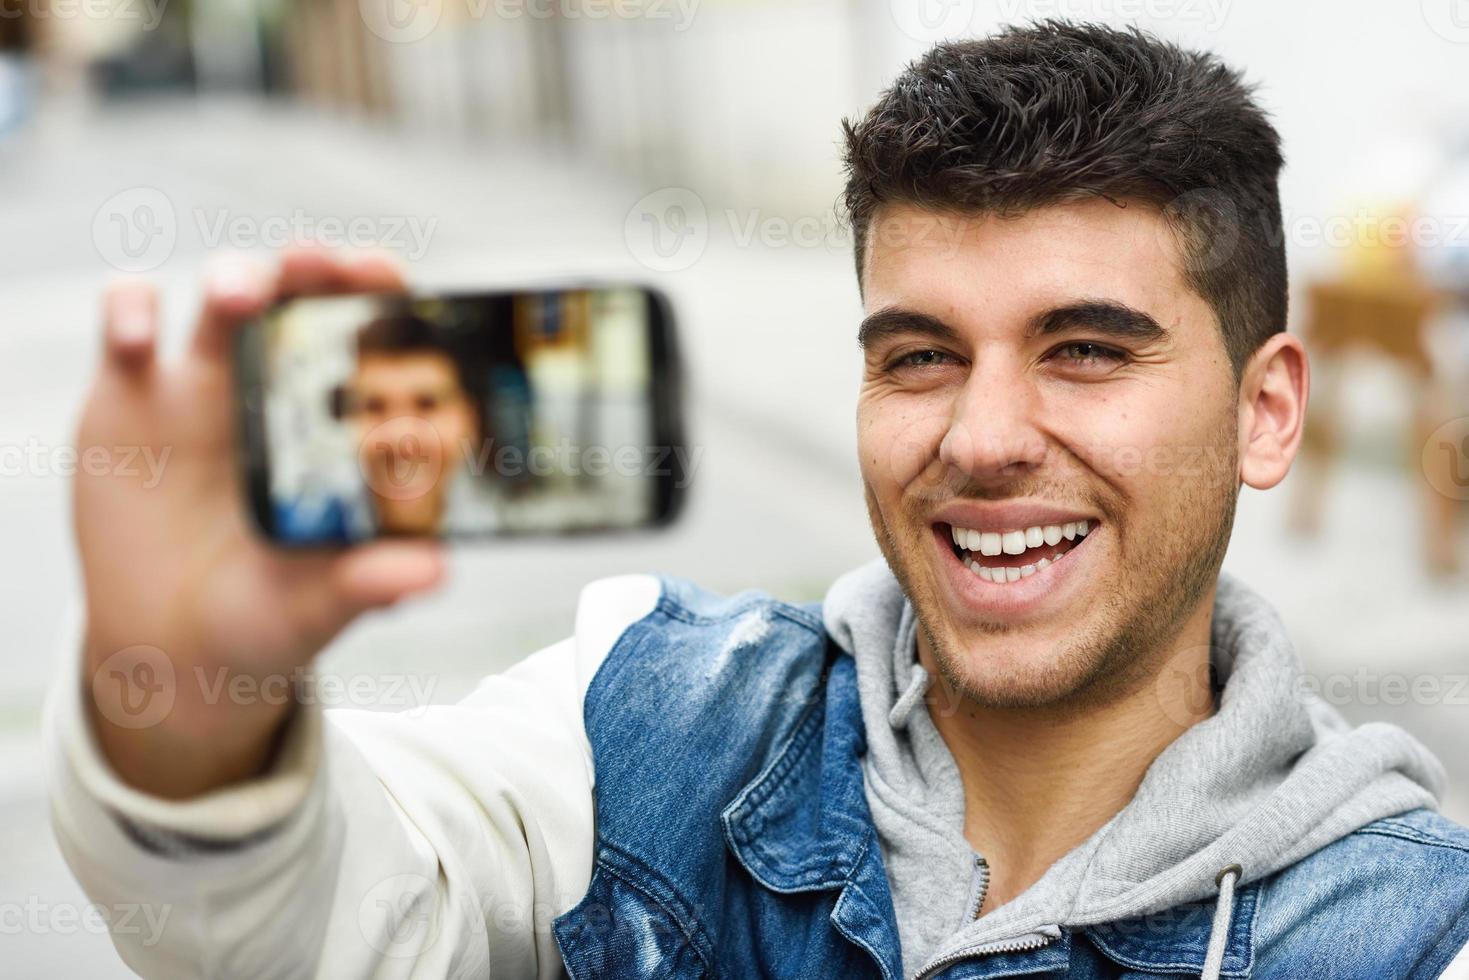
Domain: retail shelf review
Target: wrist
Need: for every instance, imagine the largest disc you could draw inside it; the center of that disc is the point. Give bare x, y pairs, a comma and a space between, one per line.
167, 733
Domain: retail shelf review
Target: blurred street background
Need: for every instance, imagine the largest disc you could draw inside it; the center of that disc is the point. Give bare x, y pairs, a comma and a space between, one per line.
693, 144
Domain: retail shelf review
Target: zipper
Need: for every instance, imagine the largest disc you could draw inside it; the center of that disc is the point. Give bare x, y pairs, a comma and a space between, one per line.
979, 886
1041, 937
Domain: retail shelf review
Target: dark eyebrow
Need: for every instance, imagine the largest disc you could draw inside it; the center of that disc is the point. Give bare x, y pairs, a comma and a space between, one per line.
895, 320
1103, 316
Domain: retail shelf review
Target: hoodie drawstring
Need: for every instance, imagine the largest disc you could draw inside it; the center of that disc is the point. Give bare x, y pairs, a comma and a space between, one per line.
912, 695
1226, 879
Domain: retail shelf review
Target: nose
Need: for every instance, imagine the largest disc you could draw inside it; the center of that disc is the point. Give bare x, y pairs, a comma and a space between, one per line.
993, 434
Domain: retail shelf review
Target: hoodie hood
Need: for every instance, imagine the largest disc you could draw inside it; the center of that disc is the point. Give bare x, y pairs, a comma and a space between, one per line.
1274, 775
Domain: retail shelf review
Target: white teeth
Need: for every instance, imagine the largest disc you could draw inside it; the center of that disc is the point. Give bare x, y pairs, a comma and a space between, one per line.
992, 543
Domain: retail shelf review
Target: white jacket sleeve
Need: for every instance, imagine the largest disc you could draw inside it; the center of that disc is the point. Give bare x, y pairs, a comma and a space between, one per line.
435, 843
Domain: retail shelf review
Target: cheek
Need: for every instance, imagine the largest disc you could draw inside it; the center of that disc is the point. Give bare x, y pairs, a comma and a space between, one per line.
1154, 446
897, 441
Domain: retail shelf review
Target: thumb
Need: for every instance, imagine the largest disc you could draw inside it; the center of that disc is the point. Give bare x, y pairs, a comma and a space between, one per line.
381, 573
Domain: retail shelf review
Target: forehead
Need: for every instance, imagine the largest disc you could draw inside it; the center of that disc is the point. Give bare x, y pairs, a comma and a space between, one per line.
998, 270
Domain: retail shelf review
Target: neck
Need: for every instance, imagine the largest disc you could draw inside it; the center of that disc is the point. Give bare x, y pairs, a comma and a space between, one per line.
1039, 781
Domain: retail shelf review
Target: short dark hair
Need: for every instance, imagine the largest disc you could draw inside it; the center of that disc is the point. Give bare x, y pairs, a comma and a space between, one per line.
403, 331
1056, 112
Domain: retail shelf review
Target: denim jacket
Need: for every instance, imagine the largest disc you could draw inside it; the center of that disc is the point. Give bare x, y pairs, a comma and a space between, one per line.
733, 838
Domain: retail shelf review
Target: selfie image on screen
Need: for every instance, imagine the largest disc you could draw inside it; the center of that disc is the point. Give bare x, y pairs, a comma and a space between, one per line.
507, 413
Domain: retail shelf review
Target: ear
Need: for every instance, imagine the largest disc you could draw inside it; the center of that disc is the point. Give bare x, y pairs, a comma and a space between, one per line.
1272, 410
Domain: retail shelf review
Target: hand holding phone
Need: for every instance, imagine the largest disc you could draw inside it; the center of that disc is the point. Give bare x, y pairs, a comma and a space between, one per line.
178, 584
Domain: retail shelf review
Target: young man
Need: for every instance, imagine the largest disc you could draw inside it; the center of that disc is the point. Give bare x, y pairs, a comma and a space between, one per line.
1045, 737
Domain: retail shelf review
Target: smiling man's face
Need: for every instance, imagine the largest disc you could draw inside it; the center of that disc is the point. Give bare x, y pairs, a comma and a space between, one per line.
1049, 437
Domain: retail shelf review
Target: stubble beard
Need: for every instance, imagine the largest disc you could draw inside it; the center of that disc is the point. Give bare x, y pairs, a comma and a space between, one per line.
1124, 645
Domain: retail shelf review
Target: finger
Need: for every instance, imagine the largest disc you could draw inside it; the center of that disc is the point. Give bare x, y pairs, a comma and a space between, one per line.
317, 272
235, 291
381, 573
129, 324
374, 272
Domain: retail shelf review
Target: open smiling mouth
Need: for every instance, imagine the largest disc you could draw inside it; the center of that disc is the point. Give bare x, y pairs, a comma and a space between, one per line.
1009, 556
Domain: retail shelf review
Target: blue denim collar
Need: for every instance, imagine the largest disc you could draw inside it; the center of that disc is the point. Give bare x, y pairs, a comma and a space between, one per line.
802, 824
1175, 940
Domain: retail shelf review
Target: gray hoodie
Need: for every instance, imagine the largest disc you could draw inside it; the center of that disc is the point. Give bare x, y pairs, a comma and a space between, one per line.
1274, 775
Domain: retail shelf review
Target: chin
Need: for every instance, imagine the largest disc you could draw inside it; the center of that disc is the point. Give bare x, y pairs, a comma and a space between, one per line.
1015, 667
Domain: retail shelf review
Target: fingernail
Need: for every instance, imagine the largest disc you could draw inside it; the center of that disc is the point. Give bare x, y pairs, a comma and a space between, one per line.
132, 325
233, 276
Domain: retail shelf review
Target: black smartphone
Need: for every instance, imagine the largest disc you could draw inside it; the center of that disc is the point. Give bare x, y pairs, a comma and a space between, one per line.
528, 412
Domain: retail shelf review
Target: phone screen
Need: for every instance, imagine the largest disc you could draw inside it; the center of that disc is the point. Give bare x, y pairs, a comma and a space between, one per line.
509, 413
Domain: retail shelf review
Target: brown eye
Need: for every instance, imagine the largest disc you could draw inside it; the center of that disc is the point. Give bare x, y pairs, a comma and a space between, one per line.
374, 405
923, 358
426, 403
1084, 352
